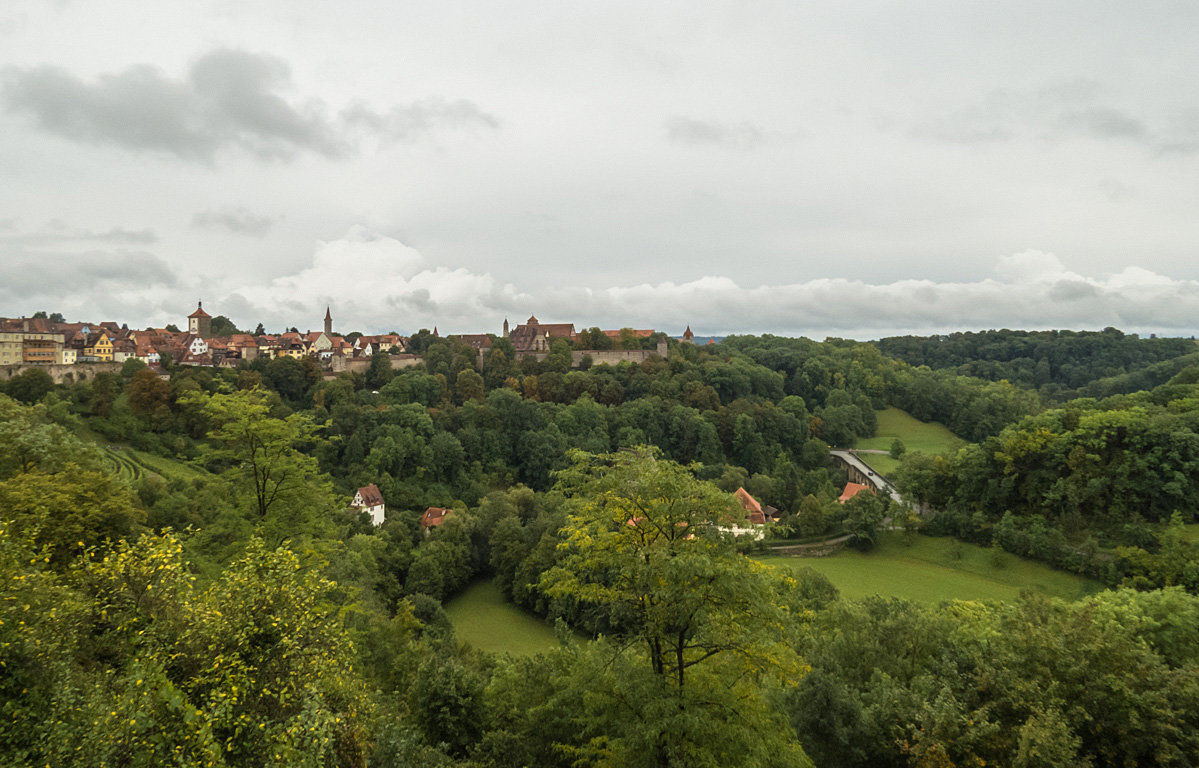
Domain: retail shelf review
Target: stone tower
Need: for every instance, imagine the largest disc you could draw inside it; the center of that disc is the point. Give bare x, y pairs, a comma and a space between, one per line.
328, 322
199, 323
505, 327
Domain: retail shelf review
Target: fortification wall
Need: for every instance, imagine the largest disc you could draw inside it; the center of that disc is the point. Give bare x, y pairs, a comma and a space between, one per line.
598, 356
612, 356
60, 372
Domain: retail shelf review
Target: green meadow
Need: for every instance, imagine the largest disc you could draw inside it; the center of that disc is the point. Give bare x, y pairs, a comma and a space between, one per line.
930, 570
482, 617
923, 436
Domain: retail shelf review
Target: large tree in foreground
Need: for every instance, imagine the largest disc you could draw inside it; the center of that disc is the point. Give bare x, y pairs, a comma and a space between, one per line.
265, 449
701, 633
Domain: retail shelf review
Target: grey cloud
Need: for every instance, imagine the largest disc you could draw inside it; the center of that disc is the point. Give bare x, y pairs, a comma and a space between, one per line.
136, 109
1104, 123
50, 273
1072, 290
1080, 90
238, 89
130, 236
974, 124
61, 233
420, 118
1182, 136
1115, 190
1061, 110
237, 219
686, 130
229, 98
418, 300
925, 294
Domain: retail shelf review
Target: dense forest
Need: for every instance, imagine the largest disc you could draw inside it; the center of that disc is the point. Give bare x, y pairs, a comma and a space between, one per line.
1059, 364
227, 609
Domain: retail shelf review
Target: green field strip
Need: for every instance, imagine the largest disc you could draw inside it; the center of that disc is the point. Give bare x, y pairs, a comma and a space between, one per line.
932, 570
482, 617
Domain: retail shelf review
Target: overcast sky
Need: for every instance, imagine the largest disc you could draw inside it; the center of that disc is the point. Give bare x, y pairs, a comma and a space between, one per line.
807, 168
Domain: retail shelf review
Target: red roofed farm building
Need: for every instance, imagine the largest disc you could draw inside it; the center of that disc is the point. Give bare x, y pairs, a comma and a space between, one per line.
851, 490
433, 517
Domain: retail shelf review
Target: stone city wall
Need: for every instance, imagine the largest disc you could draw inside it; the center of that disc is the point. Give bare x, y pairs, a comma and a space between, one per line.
62, 372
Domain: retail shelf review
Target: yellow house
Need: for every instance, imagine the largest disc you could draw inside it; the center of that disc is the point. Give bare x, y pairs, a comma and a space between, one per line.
100, 348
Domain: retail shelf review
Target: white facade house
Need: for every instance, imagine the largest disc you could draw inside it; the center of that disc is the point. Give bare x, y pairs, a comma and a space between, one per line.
370, 501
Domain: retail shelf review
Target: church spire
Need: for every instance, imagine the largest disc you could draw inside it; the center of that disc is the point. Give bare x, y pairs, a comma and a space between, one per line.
328, 321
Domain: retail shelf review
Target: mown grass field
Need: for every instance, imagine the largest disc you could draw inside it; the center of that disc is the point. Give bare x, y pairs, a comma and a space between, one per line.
923, 436
482, 617
931, 570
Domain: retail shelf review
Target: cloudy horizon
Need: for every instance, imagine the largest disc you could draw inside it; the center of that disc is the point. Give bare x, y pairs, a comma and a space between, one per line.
838, 169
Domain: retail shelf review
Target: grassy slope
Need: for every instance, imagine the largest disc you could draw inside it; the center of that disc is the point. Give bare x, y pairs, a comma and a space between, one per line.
926, 437
482, 617
130, 464
930, 570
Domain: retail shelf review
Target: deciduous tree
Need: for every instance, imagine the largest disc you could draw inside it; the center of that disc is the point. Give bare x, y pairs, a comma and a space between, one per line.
264, 449
699, 628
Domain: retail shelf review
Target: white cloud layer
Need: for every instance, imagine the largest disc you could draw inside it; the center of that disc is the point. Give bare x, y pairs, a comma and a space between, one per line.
376, 283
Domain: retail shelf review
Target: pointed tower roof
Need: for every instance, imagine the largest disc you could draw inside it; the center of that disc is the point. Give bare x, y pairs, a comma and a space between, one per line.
435, 330
327, 315
199, 311
532, 320
687, 334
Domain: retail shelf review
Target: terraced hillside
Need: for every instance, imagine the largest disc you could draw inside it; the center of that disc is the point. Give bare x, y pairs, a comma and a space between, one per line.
132, 465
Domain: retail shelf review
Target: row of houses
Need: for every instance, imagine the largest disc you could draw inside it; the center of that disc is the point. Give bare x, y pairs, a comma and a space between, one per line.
39, 341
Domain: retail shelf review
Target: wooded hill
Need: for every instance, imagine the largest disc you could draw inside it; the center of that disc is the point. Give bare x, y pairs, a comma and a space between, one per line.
231, 611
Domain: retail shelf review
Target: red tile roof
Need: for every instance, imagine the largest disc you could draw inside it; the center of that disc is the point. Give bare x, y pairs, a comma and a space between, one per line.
434, 516
474, 340
851, 490
750, 505
370, 495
